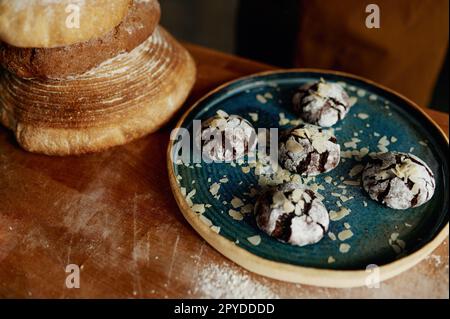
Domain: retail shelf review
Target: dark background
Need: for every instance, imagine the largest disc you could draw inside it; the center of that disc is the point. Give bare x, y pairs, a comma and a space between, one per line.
262, 30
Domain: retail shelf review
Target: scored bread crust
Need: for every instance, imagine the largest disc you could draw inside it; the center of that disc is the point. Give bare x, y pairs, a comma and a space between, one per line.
53, 23
77, 58
123, 99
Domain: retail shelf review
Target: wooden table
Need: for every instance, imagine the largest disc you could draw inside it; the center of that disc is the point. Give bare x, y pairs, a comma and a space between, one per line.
113, 214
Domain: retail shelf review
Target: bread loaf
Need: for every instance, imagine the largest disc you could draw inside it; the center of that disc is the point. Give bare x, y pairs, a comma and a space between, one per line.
122, 99
53, 23
77, 58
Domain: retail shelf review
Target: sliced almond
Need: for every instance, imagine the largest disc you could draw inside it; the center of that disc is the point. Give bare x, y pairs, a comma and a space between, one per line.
344, 248
293, 146
345, 234
254, 240
296, 195
288, 207
235, 214
278, 198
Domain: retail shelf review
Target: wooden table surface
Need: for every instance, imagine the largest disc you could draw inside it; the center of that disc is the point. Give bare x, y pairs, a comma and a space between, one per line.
113, 214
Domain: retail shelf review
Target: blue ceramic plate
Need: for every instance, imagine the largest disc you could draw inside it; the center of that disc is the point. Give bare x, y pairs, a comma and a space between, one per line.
393, 240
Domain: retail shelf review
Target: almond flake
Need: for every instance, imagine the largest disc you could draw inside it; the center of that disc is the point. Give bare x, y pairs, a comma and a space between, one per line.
236, 202
344, 248
293, 146
384, 141
394, 236
245, 169
253, 116
288, 207
214, 189
363, 116
254, 240
296, 195
235, 214
283, 119
383, 149
189, 197
261, 99
222, 113
335, 216
332, 235
215, 229
345, 234
198, 208
361, 93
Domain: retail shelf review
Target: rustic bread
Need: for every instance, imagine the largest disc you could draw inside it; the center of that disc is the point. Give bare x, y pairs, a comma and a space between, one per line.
138, 25
53, 23
122, 99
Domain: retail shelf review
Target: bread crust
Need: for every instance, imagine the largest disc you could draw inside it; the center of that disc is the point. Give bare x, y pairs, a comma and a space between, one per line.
123, 99
53, 23
60, 62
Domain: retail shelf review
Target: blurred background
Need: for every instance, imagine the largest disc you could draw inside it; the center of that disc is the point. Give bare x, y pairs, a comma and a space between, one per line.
409, 53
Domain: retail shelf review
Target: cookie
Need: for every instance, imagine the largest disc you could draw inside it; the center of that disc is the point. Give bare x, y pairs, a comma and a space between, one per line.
308, 150
123, 99
292, 214
321, 103
225, 138
53, 23
398, 180
77, 58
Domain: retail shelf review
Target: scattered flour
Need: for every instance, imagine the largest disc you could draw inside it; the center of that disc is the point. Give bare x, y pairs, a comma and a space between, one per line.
221, 281
436, 259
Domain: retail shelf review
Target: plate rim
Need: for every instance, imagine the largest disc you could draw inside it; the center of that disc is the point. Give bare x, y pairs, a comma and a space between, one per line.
288, 272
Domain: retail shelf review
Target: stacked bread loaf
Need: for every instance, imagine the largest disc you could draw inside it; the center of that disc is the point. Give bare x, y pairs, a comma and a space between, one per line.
82, 76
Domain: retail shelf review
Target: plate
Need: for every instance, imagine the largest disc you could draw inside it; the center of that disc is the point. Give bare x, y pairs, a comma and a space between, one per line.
384, 243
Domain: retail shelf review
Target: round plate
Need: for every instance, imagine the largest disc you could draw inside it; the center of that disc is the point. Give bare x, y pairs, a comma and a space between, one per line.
384, 243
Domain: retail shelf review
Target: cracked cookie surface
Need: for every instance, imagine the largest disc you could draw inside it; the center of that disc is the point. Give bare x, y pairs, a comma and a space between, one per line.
398, 180
321, 103
293, 214
308, 150
226, 137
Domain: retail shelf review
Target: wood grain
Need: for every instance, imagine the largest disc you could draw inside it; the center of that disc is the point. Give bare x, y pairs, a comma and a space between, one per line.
113, 214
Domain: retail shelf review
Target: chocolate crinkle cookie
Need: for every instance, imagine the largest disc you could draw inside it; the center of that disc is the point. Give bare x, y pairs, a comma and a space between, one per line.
308, 150
225, 138
398, 180
293, 214
321, 103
